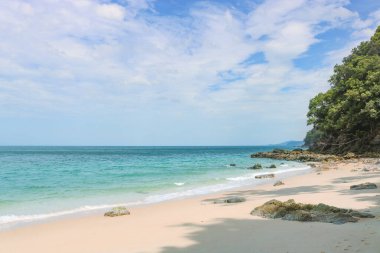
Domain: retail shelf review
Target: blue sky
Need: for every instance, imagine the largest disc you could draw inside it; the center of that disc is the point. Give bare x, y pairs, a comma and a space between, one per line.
169, 72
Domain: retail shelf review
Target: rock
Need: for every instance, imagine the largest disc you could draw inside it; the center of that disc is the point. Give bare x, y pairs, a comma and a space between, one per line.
257, 166
232, 164
313, 165
270, 209
278, 183
279, 151
335, 218
117, 211
361, 214
350, 155
323, 208
365, 169
229, 200
272, 166
364, 186
298, 215
265, 176
296, 155
234, 199
290, 210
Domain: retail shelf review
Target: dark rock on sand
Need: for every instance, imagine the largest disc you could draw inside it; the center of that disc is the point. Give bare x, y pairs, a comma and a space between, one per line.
290, 210
361, 214
117, 211
298, 215
278, 183
265, 176
229, 200
272, 166
364, 186
232, 164
296, 155
257, 166
234, 199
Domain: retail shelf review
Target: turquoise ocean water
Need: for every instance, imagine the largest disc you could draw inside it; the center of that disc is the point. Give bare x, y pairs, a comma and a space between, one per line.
38, 183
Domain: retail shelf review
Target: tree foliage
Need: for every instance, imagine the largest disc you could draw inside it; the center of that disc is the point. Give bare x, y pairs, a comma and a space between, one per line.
347, 116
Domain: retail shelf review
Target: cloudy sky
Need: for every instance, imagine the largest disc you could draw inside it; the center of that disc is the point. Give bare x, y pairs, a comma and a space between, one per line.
169, 72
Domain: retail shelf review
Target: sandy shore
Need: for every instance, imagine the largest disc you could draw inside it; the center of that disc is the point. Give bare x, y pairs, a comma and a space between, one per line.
192, 225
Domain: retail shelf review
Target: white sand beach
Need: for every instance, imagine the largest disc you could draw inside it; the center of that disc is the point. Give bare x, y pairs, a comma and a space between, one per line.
193, 225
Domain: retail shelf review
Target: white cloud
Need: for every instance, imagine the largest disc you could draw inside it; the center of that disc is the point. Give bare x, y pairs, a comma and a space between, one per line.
96, 57
111, 11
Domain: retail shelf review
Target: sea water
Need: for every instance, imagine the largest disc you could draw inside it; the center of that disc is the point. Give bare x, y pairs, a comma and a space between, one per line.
37, 183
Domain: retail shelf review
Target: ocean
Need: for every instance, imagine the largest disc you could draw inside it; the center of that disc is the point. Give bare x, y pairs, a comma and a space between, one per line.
38, 183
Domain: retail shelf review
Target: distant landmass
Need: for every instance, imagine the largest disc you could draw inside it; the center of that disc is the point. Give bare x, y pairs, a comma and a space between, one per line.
290, 144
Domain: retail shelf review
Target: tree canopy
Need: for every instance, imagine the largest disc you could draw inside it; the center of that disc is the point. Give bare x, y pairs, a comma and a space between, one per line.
347, 116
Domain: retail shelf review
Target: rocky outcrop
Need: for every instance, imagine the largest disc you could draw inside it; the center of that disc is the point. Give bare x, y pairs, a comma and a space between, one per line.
272, 166
349, 155
265, 176
290, 210
257, 166
278, 183
117, 211
296, 155
364, 186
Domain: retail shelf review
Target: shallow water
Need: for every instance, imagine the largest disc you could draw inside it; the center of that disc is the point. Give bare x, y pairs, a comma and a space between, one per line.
42, 182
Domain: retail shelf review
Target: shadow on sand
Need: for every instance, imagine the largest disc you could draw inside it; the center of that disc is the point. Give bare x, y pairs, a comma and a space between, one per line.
277, 236
268, 236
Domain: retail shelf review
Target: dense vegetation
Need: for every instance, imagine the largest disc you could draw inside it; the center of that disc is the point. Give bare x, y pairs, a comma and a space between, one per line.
347, 116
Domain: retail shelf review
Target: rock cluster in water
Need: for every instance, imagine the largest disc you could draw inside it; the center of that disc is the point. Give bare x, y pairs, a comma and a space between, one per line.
297, 155
257, 166
117, 211
364, 186
290, 210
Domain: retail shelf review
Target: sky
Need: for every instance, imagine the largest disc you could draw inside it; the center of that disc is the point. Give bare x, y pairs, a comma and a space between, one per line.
169, 72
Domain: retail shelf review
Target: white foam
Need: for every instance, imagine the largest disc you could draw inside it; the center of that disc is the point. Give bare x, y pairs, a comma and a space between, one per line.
234, 182
242, 178
187, 193
9, 219
252, 176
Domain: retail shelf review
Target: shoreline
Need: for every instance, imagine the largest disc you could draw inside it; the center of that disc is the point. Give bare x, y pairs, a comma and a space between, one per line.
192, 225
89, 210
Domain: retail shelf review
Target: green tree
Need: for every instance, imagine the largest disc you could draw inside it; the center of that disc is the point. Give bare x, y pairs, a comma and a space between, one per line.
347, 116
